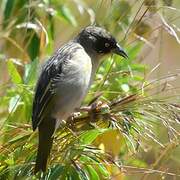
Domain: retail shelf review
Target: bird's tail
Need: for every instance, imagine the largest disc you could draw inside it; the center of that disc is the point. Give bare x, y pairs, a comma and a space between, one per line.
46, 130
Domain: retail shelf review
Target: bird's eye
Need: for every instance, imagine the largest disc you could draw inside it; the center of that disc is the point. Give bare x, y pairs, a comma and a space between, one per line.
107, 44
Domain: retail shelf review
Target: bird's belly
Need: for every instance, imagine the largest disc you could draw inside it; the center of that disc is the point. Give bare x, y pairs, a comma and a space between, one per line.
72, 91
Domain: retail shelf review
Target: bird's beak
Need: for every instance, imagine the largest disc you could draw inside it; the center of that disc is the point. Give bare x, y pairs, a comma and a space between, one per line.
120, 51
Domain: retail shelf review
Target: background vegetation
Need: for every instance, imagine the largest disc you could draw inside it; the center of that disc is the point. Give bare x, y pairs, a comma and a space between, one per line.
135, 133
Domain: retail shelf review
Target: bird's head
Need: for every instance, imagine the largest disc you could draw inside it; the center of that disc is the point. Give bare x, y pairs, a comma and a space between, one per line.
98, 41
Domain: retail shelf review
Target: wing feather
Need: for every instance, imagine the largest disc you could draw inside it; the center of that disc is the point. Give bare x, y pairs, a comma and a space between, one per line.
44, 91
52, 72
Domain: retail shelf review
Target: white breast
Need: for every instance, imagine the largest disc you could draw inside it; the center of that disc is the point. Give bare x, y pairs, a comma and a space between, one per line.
81, 65
74, 87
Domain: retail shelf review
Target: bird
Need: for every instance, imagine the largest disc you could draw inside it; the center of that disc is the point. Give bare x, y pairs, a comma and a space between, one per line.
64, 81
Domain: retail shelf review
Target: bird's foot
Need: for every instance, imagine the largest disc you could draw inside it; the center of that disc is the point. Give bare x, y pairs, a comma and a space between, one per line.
70, 122
94, 110
93, 107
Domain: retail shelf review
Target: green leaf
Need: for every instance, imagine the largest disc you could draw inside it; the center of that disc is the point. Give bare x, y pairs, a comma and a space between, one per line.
73, 173
55, 172
82, 174
138, 67
67, 15
89, 136
50, 32
30, 74
92, 172
19, 138
14, 74
134, 51
8, 10
13, 103
103, 170
34, 46
137, 163
138, 78
9, 161
93, 160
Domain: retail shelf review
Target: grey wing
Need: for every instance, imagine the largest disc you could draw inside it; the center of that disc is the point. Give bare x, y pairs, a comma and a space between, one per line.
51, 74
45, 88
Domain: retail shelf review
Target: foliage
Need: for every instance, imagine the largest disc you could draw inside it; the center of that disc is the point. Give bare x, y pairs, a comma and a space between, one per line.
128, 103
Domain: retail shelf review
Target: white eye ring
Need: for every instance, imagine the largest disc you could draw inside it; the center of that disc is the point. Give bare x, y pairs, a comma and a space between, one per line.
107, 44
